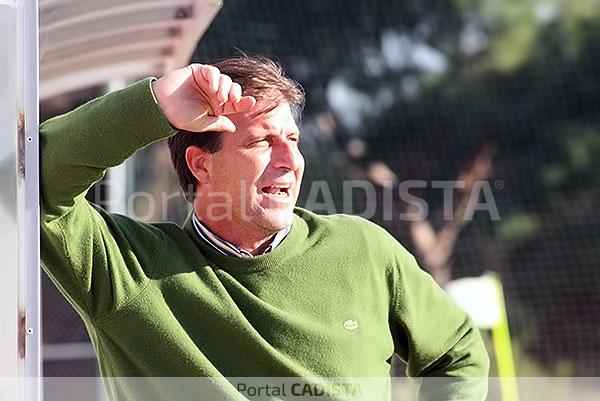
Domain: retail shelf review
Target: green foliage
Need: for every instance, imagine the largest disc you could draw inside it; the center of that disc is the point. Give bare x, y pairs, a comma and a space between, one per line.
518, 227
513, 31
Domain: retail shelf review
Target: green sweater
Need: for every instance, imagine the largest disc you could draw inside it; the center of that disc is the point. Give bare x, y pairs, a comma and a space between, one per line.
337, 298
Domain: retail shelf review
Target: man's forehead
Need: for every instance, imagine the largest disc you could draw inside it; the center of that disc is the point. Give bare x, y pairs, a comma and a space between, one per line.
268, 116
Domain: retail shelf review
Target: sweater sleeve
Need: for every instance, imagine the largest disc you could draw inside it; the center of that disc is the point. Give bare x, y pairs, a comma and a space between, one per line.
98, 260
434, 336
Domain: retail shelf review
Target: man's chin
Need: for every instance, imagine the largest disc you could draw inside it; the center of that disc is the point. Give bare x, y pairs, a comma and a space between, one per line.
276, 220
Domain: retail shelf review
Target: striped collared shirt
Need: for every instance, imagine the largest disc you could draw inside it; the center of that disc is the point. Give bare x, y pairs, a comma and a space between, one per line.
227, 248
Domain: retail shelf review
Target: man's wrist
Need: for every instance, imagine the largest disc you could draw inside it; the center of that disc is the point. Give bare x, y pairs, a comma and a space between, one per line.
154, 90
157, 95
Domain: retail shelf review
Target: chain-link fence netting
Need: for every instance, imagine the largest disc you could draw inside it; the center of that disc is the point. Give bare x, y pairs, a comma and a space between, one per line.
468, 129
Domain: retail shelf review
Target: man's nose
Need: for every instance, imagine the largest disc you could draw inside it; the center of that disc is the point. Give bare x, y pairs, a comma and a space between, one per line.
286, 155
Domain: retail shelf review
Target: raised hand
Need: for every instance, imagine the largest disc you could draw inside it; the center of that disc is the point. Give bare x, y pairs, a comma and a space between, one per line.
198, 98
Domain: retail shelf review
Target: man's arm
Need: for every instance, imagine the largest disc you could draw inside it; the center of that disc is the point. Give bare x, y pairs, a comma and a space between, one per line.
82, 246
98, 260
435, 337
78, 147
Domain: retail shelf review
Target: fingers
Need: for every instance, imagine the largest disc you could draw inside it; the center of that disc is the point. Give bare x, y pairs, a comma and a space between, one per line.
235, 94
223, 95
224, 88
211, 75
245, 104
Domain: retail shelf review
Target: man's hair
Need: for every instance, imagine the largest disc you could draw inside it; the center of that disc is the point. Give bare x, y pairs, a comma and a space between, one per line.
260, 77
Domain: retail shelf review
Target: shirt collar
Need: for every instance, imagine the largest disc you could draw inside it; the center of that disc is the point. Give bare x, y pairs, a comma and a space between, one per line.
226, 247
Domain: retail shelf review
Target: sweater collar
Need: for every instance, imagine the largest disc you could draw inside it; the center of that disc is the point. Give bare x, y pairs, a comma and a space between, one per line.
227, 248
295, 244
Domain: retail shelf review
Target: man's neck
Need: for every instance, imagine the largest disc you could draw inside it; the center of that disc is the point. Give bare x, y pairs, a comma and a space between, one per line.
227, 230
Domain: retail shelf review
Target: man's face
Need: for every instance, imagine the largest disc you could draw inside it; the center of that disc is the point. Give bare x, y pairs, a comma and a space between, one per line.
258, 170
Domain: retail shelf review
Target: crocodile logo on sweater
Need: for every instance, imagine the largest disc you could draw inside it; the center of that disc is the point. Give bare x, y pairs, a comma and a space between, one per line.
350, 325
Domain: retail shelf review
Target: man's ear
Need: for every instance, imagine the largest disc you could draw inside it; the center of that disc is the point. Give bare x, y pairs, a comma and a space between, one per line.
198, 162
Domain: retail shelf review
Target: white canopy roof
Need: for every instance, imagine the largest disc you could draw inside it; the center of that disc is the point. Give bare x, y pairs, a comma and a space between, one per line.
86, 43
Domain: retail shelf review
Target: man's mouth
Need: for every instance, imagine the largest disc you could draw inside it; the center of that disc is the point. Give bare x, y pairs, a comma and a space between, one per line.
277, 190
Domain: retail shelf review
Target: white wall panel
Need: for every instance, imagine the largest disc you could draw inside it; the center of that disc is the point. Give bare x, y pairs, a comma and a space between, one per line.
19, 201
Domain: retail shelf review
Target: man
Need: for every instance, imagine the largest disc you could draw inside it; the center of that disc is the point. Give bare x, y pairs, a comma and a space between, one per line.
250, 286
